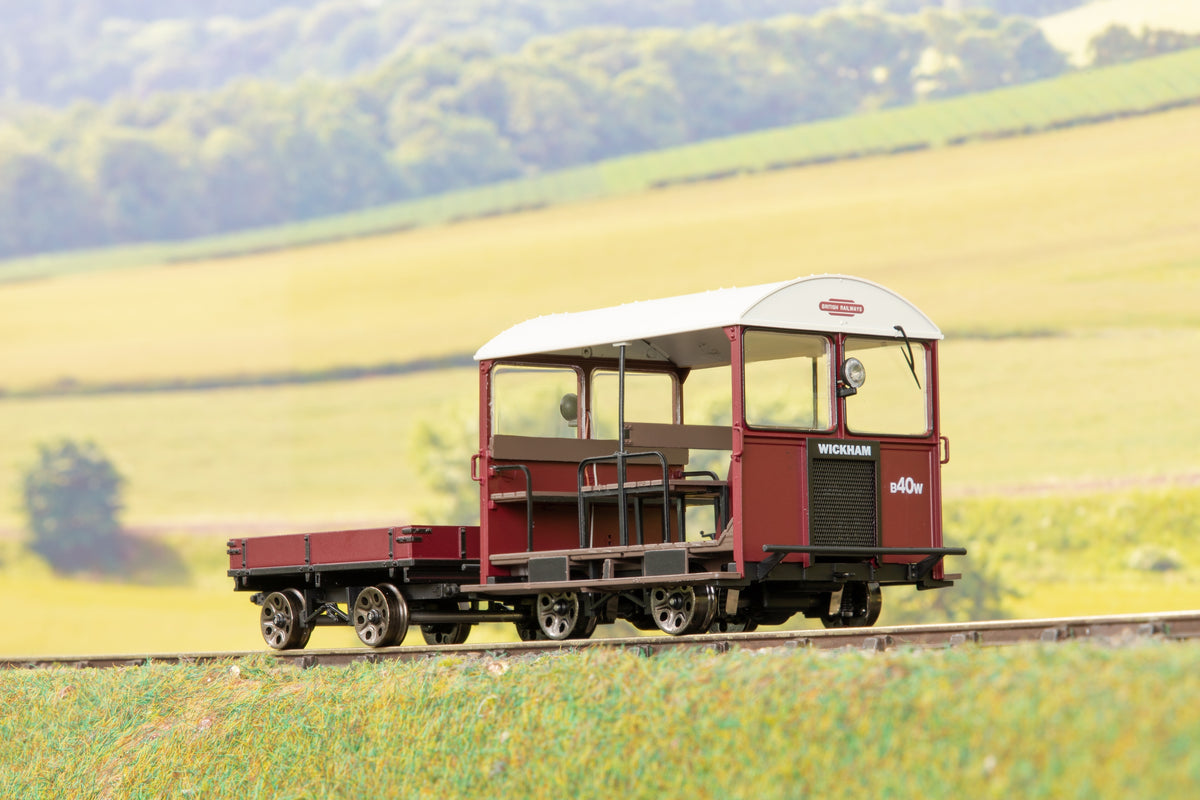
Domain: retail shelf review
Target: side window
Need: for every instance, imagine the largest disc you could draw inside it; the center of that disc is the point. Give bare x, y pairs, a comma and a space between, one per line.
649, 397
894, 398
526, 401
788, 380
707, 396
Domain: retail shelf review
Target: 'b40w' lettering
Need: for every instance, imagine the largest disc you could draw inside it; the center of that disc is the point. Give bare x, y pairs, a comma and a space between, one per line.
907, 486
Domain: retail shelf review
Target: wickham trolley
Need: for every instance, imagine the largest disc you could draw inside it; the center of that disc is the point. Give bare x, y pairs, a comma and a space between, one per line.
706, 462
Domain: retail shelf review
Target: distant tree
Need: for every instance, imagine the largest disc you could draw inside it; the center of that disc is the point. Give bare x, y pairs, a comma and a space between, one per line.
646, 111
144, 187
30, 185
983, 60
981, 594
1114, 45
72, 497
550, 124
450, 151
443, 454
243, 188
1033, 58
1117, 44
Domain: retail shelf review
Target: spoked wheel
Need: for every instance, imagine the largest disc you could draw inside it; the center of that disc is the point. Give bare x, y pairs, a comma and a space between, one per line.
560, 616
733, 625
441, 633
861, 604
380, 616
282, 620
529, 631
680, 610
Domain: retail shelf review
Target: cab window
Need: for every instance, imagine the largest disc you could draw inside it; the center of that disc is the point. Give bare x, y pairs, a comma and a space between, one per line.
894, 398
528, 401
649, 397
788, 380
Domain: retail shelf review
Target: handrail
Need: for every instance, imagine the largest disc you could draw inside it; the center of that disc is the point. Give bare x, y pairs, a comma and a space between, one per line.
620, 457
528, 500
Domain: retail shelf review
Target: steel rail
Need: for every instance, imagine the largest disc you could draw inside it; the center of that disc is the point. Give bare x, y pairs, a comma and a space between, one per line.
1176, 625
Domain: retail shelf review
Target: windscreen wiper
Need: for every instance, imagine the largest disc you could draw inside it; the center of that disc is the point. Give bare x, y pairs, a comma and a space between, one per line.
908, 355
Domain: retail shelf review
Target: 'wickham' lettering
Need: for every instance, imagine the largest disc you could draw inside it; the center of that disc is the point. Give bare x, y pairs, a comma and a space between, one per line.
836, 449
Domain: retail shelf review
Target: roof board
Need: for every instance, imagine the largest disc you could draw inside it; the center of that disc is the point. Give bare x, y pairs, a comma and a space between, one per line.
688, 330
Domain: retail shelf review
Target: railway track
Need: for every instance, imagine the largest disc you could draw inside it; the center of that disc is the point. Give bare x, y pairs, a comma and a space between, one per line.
1181, 625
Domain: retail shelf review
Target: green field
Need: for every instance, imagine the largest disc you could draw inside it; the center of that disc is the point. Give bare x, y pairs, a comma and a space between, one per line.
1078, 720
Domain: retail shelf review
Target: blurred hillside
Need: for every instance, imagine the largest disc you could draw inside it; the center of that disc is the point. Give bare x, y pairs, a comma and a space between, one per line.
128, 121
55, 53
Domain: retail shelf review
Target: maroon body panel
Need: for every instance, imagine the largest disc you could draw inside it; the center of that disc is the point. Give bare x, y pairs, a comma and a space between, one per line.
906, 490
770, 490
363, 546
263, 552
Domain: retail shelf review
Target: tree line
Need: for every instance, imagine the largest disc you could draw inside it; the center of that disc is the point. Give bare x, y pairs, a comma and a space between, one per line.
190, 163
59, 51
54, 53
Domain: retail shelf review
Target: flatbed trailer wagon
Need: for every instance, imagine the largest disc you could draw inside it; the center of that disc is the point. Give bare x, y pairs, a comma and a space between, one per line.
713, 461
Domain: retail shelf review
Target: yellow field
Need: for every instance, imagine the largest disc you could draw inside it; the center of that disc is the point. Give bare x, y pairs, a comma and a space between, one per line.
1041, 412
1090, 234
1087, 228
337, 452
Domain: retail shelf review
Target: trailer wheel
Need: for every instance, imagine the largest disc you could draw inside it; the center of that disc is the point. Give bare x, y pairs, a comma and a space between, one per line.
860, 607
281, 620
681, 610
529, 631
380, 616
733, 625
560, 616
446, 633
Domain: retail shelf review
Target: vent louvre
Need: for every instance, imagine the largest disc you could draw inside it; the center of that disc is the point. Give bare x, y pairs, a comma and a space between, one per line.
842, 508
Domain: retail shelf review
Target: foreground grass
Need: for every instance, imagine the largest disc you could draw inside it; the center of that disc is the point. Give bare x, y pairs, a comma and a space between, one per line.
1074, 720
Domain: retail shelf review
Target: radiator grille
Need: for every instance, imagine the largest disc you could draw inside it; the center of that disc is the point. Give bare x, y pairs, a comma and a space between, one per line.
843, 503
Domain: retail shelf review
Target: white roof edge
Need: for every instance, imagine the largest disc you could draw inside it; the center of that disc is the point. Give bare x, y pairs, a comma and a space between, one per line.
818, 303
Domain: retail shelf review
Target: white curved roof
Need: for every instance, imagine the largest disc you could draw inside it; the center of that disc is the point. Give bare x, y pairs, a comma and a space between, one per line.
688, 330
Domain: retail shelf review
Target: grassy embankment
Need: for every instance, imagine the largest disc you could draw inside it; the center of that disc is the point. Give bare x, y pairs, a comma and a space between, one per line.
1064, 268
1012, 722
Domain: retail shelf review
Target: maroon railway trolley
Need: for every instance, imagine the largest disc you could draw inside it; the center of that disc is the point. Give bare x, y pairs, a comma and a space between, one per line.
713, 461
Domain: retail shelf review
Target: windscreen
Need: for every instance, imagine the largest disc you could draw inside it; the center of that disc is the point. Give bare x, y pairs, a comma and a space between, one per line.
894, 400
